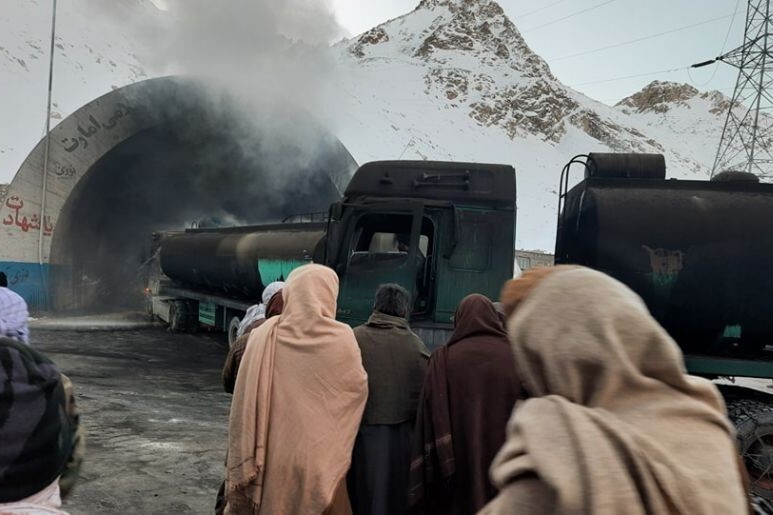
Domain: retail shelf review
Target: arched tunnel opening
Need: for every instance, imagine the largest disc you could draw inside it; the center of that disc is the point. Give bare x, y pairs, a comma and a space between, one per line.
194, 166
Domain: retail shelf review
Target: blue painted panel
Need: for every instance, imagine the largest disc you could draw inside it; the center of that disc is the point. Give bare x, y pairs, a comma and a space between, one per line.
30, 280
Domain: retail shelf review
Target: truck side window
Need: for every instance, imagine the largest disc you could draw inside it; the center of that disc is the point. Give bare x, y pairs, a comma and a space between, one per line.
380, 237
383, 240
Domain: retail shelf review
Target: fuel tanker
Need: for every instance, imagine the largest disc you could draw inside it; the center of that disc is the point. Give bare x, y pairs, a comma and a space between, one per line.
442, 230
700, 254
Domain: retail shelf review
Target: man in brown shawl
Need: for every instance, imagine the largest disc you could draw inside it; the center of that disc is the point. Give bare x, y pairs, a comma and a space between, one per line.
395, 360
468, 395
233, 361
299, 397
235, 353
613, 423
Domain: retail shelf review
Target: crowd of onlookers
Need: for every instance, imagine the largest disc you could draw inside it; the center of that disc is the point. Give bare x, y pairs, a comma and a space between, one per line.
566, 397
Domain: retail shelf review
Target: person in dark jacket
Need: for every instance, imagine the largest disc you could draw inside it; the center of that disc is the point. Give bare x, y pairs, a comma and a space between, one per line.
468, 395
395, 359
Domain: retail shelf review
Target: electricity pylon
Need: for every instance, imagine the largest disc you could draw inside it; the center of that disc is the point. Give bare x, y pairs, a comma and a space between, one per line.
747, 137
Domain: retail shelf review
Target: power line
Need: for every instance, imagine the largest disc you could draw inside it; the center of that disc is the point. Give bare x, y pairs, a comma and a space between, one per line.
722, 51
572, 15
658, 72
727, 35
644, 38
524, 15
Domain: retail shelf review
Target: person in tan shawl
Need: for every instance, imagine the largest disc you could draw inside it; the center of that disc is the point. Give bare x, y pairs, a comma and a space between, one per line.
613, 424
297, 405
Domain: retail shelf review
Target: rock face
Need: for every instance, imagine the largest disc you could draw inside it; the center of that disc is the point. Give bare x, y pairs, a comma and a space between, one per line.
662, 96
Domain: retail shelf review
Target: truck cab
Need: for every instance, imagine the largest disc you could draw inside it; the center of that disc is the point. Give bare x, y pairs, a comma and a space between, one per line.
441, 230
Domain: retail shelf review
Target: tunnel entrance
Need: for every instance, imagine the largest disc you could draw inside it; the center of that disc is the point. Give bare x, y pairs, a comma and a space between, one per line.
192, 167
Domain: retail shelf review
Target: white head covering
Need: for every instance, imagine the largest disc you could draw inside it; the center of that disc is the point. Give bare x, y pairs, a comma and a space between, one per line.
13, 316
258, 311
270, 290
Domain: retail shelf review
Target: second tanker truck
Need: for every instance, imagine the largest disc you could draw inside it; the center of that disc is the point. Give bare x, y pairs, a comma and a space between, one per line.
700, 254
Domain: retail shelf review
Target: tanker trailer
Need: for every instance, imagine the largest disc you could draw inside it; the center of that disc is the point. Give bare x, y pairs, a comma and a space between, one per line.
211, 276
442, 230
700, 254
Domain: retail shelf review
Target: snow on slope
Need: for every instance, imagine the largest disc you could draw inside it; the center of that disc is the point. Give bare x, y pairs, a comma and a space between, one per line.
688, 121
455, 80
451, 80
93, 54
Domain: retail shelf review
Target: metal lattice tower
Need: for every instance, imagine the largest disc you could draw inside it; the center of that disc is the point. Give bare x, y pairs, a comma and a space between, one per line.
747, 138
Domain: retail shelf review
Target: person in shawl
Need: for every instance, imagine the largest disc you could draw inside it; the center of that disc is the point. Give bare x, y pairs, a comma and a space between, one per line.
36, 432
613, 423
468, 395
257, 312
236, 352
396, 360
13, 316
297, 405
13, 329
231, 368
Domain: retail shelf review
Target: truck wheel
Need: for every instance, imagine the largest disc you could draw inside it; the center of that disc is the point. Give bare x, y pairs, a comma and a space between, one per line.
177, 316
753, 420
233, 328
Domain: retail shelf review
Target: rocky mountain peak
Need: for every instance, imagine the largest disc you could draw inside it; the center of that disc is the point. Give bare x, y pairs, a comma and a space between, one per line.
476, 60
659, 96
441, 30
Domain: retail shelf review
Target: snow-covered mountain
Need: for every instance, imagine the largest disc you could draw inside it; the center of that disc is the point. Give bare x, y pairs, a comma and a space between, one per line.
453, 79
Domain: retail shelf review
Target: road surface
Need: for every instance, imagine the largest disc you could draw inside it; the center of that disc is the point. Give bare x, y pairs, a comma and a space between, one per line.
155, 414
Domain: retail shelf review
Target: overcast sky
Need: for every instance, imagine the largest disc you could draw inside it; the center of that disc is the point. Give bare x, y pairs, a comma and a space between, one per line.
558, 29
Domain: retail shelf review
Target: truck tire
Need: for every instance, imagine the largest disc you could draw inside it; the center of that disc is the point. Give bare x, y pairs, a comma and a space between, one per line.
183, 317
233, 328
753, 420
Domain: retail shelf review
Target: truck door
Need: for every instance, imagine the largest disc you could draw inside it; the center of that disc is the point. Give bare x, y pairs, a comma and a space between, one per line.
381, 244
480, 259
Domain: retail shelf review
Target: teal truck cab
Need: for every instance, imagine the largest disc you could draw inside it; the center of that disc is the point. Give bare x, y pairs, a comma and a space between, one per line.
442, 230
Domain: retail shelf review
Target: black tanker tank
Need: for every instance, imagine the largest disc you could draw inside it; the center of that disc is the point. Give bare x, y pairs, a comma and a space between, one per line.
700, 253
238, 262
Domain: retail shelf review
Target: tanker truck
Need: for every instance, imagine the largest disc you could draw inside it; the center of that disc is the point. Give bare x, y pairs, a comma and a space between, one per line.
441, 230
700, 254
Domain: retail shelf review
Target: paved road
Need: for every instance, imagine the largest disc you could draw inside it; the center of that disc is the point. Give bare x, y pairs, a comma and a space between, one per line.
156, 418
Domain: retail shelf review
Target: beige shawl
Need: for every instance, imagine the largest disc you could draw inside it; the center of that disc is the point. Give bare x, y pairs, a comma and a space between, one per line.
297, 404
615, 425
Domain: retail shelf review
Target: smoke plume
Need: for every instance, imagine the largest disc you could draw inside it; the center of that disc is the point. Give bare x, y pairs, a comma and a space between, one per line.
232, 143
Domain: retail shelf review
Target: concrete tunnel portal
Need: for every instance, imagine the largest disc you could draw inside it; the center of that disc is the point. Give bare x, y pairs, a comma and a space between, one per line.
190, 155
